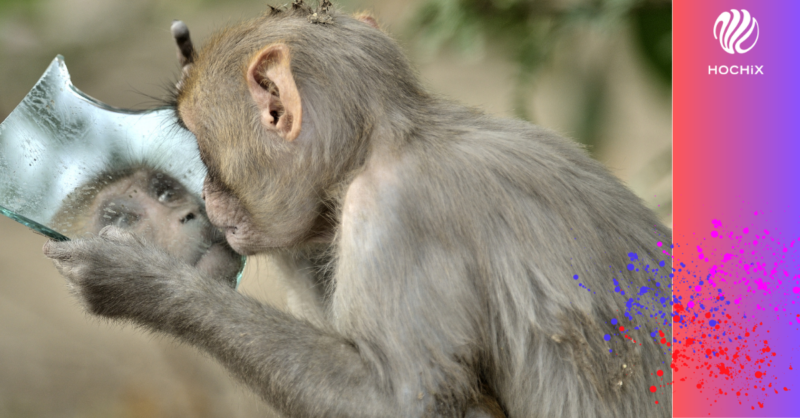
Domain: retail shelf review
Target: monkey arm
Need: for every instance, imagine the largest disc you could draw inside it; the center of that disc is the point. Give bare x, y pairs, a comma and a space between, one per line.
293, 365
298, 368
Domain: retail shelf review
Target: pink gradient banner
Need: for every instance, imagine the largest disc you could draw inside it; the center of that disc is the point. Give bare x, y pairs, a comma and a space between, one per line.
736, 292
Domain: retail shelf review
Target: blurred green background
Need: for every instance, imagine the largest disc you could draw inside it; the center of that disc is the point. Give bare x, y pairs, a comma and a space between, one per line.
597, 71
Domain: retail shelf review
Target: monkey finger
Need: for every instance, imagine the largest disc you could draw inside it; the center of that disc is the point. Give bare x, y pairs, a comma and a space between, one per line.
184, 41
57, 250
70, 270
113, 233
120, 235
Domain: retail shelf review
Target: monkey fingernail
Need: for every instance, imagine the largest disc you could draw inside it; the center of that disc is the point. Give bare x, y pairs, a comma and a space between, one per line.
179, 30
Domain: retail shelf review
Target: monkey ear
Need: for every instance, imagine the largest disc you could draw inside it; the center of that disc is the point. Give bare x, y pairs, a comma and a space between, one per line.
272, 86
368, 19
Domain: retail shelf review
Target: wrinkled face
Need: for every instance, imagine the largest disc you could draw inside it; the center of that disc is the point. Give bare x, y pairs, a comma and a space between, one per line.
157, 207
243, 233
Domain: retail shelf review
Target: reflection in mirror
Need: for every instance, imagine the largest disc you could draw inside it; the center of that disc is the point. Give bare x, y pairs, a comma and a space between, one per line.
70, 165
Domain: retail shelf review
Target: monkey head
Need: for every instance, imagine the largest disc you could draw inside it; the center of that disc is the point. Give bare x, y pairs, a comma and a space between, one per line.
156, 207
284, 110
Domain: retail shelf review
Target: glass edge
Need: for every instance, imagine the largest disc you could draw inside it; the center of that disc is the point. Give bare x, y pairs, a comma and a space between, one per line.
241, 273
97, 103
35, 226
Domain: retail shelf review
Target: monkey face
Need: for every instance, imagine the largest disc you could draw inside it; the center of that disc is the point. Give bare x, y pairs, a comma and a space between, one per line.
157, 207
280, 128
278, 204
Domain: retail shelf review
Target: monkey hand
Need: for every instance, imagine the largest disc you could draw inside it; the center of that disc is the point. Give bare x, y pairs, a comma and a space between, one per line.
119, 275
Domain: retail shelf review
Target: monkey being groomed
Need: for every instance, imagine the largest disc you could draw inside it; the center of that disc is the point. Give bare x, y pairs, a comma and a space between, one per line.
449, 240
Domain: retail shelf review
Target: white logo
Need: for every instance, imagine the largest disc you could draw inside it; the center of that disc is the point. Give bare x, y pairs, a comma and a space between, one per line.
733, 25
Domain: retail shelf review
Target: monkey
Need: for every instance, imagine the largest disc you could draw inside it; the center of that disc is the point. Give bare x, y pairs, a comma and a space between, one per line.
158, 208
451, 241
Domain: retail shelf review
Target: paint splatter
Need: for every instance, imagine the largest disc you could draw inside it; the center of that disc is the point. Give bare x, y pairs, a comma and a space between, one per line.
647, 313
729, 291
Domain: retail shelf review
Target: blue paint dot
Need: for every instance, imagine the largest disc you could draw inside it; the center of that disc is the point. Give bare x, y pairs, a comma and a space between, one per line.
613, 321
607, 337
631, 267
575, 277
712, 322
633, 256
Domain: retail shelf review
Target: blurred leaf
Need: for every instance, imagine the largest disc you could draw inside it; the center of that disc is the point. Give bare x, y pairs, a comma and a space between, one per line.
652, 24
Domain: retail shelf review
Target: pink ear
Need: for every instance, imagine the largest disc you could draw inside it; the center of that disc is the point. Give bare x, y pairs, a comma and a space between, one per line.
368, 19
272, 87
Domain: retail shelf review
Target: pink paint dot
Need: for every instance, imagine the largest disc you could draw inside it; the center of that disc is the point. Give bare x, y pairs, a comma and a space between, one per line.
796, 289
698, 288
658, 244
652, 389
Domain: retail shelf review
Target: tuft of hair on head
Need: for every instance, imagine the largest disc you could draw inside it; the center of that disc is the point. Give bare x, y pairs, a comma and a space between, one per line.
324, 13
272, 11
299, 6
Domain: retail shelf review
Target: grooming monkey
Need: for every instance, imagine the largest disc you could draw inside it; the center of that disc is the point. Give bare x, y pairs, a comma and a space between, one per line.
449, 240
156, 207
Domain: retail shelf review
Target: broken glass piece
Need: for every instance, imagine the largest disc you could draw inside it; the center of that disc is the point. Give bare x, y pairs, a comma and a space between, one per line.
70, 165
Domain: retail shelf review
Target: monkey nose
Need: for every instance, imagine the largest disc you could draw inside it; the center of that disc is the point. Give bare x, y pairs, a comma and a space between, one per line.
189, 216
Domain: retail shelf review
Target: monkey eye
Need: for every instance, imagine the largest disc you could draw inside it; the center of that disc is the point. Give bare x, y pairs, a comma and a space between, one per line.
166, 196
119, 218
164, 191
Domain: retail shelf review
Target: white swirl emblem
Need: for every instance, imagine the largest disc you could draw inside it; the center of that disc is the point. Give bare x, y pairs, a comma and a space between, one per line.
731, 34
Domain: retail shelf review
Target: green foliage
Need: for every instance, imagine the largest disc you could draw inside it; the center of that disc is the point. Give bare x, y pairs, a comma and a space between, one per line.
530, 29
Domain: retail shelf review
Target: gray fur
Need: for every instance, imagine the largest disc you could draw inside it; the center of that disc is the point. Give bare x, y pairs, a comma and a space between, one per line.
456, 239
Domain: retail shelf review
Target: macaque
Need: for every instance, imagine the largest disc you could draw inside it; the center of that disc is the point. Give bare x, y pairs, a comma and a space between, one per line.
156, 207
451, 240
